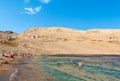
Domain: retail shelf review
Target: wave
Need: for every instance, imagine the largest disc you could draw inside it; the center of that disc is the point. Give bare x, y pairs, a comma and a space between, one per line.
15, 76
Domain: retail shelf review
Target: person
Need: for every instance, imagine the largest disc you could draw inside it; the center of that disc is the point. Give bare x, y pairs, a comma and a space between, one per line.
10, 56
74, 62
80, 63
2, 55
14, 54
71, 60
58, 64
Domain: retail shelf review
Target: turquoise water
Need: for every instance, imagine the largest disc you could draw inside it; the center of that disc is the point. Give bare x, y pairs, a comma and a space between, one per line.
95, 68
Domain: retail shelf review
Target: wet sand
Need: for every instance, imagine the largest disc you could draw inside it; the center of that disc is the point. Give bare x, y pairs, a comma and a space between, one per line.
5, 71
4, 77
27, 71
6, 68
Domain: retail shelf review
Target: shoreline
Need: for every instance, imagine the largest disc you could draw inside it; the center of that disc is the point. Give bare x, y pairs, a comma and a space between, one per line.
81, 55
29, 68
6, 69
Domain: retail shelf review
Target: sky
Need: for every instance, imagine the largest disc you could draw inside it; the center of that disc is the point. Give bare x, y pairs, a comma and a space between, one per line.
21, 15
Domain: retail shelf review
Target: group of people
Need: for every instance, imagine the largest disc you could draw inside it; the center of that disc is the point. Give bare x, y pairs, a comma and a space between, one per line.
76, 62
8, 55
26, 55
12, 55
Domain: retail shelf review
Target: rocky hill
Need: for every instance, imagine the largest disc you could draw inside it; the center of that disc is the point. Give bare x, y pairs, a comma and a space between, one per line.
68, 41
7, 36
7, 39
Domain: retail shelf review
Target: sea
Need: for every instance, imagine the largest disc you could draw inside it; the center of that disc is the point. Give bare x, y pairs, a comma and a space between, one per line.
94, 68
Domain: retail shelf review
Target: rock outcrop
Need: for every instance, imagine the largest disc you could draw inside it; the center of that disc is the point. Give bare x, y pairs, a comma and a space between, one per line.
6, 36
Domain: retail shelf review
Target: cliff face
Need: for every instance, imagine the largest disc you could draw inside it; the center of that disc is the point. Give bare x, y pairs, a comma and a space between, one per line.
68, 41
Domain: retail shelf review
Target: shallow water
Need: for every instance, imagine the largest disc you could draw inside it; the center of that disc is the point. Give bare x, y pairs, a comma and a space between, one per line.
95, 68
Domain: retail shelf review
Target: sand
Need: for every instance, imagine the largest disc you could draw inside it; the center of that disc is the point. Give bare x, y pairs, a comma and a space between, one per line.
27, 71
5, 71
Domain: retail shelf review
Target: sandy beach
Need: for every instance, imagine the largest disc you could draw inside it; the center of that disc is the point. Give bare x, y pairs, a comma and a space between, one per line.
5, 71
27, 71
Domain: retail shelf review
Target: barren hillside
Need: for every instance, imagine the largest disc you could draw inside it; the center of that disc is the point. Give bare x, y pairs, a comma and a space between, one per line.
68, 41
7, 39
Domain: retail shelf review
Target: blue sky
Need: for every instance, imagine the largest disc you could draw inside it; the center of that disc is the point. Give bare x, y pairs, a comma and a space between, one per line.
20, 15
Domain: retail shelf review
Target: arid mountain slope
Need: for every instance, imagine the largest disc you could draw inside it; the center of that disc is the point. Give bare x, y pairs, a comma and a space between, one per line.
7, 39
68, 41
7, 36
